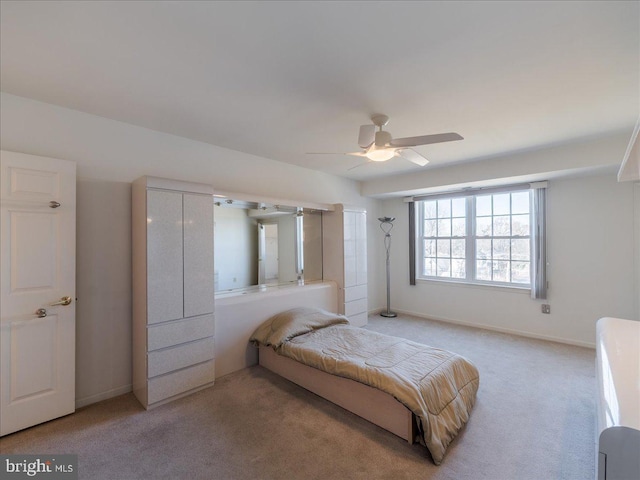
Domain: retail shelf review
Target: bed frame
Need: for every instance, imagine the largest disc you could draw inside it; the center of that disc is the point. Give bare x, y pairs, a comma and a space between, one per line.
367, 402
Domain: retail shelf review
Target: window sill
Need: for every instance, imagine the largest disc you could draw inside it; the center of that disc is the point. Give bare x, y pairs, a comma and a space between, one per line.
483, 286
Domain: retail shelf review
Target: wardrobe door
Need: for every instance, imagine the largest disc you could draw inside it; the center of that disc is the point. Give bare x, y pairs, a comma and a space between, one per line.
361, 247
164, 256
198, 255
350, 249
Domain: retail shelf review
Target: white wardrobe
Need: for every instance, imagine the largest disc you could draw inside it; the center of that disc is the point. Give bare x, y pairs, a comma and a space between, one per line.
173, 289
344, 245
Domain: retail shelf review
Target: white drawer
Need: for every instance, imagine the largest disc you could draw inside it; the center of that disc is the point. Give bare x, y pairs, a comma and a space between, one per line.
180, 331
175, 358
355, 293
161, 388
355, 307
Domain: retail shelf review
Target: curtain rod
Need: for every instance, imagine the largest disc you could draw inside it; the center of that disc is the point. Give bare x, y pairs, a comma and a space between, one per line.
475, 191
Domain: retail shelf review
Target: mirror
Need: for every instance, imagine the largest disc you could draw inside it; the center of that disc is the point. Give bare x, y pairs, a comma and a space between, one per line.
264, 244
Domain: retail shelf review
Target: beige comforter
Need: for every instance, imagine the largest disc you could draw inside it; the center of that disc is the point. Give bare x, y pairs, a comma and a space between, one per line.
438, 386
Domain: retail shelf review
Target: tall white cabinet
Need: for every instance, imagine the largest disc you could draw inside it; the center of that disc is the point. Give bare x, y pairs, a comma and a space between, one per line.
173, 289
344, 244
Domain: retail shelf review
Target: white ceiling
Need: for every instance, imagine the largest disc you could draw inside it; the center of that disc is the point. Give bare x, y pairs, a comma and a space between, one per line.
278, 79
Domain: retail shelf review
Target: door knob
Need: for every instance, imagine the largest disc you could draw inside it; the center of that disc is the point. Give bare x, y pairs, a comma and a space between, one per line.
62, 301
41, 313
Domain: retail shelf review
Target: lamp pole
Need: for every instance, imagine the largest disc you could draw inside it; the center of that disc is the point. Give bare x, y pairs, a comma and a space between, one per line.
386, 225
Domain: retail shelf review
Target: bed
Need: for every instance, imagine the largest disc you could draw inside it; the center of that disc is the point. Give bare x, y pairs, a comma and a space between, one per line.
414, 391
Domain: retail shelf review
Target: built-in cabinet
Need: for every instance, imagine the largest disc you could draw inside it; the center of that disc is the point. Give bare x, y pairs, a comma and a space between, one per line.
344, 243
173, 289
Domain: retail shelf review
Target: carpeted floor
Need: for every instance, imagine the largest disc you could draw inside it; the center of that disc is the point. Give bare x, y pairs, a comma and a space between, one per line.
533, 420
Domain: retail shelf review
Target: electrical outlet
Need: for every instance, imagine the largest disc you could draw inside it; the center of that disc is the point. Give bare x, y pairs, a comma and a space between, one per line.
546, 308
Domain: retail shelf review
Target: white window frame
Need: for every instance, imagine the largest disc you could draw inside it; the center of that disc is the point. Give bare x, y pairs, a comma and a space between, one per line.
537, 281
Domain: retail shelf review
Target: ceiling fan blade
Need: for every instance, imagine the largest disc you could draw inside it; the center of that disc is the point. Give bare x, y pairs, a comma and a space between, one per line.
413, 157
357, 154
367, 135
425, 139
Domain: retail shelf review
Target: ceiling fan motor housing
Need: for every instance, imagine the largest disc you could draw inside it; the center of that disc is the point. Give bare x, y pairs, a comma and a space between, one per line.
383, 138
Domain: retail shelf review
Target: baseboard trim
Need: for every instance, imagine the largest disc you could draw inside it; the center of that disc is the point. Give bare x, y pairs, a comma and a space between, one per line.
83, 402
510, 331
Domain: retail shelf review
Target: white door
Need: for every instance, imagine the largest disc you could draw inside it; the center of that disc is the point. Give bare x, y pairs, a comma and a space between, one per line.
165, 281
37, 263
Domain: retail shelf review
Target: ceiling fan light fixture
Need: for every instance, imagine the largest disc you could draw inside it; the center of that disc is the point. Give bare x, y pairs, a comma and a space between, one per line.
381, 155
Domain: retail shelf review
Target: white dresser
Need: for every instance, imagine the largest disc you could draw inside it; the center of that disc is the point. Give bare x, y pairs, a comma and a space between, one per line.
618, 400
173, 289
344, 246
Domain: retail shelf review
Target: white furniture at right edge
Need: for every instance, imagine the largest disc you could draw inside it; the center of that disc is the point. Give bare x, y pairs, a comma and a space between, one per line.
344, 247
618, 401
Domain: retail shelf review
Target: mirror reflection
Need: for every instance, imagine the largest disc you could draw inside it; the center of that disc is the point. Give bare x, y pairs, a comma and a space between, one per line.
263, 244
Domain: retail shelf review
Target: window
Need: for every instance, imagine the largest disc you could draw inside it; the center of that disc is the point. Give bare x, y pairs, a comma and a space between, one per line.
444, 232
503, 238
483, 236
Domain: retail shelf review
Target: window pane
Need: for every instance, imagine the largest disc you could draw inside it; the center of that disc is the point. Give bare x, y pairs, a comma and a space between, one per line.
430, 267
458, 227
520, 272
459, 207
483, 249
500, 229
501, 271
458, 269
520, 202
483, 205
501, 204
501, 226
444, 248
520, 225
444, 208
501, 249
429, 248
444, 267
430, 228
483, 226
520, 249
444, 228
458, 248
430, 209
483, 270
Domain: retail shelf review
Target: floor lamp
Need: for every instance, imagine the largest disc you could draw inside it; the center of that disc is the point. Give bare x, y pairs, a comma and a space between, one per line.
386, 225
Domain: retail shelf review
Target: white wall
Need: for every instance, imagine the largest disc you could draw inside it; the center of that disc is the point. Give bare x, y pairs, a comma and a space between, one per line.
591, 273
109, 156
244, 313
103, 290
115, 151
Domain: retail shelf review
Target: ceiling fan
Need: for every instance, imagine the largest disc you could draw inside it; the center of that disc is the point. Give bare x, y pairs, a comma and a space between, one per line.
380, 146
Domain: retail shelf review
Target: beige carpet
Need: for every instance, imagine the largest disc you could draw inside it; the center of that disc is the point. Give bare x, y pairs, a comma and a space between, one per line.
534, 419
